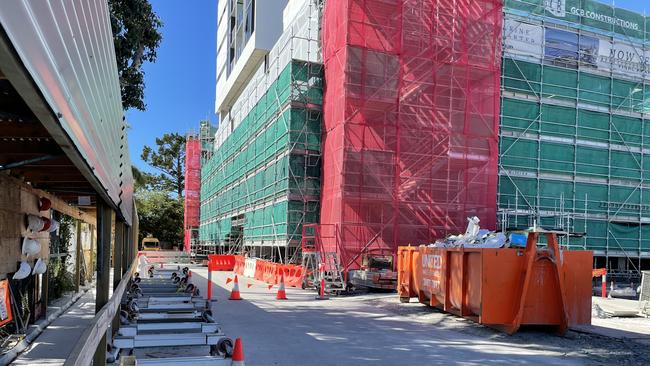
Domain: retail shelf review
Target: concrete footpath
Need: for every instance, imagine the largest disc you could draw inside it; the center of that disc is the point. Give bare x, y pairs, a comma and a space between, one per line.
56, 342
352, 331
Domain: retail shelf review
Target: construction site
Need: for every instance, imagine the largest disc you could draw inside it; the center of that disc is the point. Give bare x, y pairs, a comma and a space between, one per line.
389, 181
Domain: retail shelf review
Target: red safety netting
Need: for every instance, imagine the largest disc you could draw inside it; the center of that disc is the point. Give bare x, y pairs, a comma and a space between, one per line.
411, 116
192, 189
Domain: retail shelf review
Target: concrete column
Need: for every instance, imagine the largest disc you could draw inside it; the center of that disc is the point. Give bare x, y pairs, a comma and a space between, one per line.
104, 218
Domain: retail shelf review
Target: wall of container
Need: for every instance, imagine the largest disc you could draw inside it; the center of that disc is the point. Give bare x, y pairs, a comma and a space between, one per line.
574, 137
411, 120
266, 159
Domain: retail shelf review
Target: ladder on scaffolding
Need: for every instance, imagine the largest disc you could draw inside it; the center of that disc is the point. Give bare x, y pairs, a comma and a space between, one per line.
313, 254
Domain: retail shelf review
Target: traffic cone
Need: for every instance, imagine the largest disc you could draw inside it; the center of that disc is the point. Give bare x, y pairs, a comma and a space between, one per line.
282, 294
234, 294
238, 351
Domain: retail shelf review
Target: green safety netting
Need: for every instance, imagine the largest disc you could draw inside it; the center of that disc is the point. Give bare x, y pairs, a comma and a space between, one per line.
269, 167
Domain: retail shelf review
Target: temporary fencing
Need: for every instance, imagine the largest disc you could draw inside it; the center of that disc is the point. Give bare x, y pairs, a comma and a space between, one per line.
268, 272
221, 262
411, 117
240, 265
250, 266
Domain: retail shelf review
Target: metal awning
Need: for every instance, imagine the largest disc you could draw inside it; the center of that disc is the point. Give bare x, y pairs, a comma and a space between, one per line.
59, 57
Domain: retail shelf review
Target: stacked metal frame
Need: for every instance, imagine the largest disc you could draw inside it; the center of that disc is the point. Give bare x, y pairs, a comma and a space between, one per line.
192, 190
411, 116
574, 131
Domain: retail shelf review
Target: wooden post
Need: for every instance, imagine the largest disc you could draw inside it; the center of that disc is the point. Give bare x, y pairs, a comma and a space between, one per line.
93, 243
118, 248
126, 252
104, 217
77, 263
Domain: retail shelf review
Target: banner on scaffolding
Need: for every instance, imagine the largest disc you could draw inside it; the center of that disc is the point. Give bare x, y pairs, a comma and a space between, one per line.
588, 13
569, 49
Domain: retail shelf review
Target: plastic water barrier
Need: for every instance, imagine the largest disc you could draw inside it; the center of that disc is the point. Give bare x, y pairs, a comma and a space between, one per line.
250, 267
221, 262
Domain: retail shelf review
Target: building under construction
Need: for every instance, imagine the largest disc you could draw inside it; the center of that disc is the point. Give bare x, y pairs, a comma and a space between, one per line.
525, 113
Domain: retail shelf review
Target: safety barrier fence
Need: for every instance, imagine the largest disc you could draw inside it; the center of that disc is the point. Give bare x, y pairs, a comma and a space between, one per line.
258, 269
219, 262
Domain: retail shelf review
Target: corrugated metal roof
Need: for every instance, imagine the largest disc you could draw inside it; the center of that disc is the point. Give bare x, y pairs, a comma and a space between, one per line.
67, 47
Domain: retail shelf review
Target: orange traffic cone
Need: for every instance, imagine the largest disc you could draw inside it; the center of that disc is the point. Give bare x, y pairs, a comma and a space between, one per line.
238, 352
282, 294
234, 294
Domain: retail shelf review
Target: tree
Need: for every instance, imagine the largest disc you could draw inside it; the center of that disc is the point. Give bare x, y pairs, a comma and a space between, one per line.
160, 216
169, 159
136, 37
143, 180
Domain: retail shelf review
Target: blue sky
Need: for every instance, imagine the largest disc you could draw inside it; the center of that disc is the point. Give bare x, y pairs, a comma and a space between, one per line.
180, 86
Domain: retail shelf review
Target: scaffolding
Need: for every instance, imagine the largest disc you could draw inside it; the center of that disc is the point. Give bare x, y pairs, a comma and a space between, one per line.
574, 111
261, 182
192, 192
411, 119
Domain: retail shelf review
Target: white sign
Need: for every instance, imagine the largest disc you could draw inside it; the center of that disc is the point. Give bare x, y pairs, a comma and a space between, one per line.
558, 9
523, 38
623, 58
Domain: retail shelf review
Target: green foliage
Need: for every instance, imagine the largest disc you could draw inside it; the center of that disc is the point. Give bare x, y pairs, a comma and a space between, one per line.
160, 216
143, 181
59, 279
169, 160
136, 37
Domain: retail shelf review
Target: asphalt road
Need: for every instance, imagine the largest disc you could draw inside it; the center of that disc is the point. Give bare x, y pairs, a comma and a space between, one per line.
357, 330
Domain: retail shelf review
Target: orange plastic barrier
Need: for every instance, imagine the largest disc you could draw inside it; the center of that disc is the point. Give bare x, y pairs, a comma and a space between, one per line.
502, 288
221, 262
240, 263
292, 275
270, 273
259, 270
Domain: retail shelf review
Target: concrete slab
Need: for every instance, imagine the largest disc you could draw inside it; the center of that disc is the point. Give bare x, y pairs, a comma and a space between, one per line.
55, 343
353, 331
616, 307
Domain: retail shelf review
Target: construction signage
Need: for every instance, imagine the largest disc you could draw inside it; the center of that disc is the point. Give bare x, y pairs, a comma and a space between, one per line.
563, 48
5, 303
589, 13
